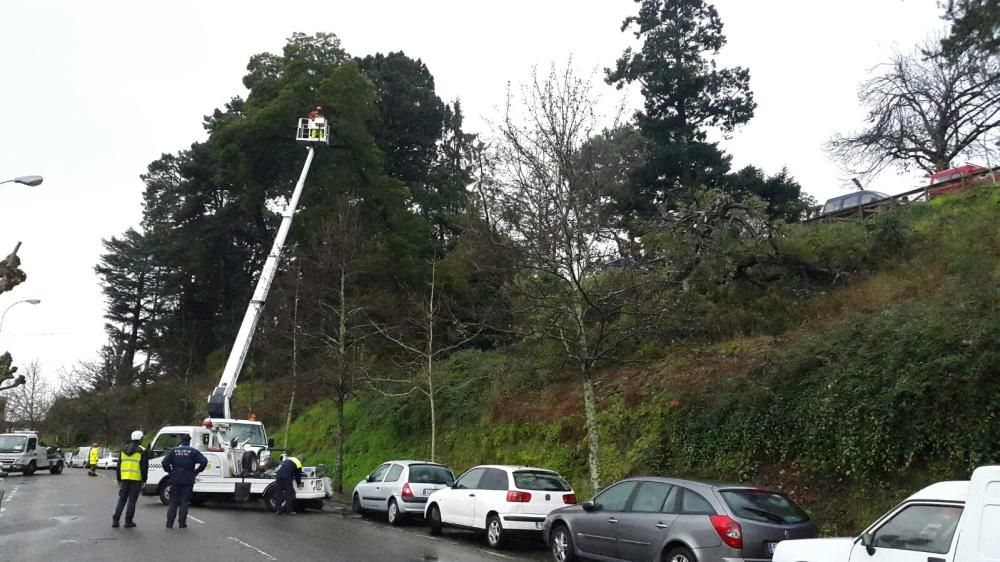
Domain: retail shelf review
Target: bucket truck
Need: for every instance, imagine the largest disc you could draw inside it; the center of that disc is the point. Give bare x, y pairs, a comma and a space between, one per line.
239, 453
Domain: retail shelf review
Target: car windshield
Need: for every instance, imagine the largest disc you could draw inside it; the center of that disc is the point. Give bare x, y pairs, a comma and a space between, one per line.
430, 474
764, 506
243, 432
12, 443
538, 480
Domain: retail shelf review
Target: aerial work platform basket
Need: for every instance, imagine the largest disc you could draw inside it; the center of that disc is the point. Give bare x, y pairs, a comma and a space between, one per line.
313, 130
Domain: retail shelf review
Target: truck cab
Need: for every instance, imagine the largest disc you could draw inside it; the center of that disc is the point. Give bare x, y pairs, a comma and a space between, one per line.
945, 522
21, 451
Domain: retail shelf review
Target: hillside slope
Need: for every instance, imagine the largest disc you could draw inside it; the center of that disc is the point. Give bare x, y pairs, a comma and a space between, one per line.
847, 398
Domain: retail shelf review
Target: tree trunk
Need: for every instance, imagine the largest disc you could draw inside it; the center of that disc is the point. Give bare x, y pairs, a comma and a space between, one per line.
590, 411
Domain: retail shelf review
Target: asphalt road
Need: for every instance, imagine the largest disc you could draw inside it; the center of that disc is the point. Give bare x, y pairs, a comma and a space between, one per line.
68, 517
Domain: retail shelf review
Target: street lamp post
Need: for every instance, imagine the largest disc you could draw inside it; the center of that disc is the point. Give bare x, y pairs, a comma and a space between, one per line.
4, 316
30, 181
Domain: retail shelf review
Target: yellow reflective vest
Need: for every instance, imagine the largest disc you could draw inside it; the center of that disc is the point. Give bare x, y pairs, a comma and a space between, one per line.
298, 463
129, 465
93, 456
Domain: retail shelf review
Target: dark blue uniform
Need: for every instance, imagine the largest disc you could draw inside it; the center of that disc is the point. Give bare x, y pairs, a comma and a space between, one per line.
183, 464
290, 468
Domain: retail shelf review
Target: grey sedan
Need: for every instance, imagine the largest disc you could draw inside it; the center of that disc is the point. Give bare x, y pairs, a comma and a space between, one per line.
675, 520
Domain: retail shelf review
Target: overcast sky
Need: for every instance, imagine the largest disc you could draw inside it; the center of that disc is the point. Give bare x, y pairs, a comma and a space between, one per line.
93, 91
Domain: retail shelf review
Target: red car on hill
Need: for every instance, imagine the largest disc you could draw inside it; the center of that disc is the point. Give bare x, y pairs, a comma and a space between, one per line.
955, 180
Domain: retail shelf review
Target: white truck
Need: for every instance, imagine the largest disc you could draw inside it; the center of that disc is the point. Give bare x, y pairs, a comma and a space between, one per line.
239, 453
21, 451
242, 471
944, 522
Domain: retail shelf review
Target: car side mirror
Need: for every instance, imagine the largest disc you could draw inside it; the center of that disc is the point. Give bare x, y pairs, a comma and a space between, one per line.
370, 478
270, 443
589, 506
868, 541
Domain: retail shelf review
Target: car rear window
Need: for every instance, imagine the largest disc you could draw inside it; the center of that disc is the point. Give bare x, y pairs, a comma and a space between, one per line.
543, 481
764, 506
429, 474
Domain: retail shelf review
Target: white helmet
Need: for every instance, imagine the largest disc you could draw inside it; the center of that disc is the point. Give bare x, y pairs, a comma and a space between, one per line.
137, 435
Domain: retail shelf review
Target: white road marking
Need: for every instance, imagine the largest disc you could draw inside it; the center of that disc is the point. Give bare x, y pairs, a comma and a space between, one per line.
193, 518
495, 553
252, 547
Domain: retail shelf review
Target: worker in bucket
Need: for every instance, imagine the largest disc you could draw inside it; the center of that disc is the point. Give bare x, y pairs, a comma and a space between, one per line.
92, 460
317, 123
290, 468
133, 469
183, 463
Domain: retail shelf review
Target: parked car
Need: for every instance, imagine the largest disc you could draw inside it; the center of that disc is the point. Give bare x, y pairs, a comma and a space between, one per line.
653, 519
500, 500
955, 180
400, 488
850, 201
944, 522
108, 460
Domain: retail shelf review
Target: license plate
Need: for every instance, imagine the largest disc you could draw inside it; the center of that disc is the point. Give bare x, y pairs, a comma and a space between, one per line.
429, 491
771, 546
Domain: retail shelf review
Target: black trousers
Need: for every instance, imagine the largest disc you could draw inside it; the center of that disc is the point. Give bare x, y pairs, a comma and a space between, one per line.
286, 495
128, 492
180, 497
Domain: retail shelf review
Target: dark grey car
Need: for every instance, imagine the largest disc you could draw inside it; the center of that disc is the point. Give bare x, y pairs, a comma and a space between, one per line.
675, 520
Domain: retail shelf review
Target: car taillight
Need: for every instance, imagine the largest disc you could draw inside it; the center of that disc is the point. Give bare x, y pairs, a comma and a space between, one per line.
407, 492
569, 499
729, 531
518, 497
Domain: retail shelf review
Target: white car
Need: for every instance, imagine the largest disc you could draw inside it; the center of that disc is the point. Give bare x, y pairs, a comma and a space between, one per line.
400, 488
108, 461
499, 499
944, 522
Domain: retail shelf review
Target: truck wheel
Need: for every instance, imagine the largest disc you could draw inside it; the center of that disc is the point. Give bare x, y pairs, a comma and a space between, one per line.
165, 493
271, 498
30, 469
56, 469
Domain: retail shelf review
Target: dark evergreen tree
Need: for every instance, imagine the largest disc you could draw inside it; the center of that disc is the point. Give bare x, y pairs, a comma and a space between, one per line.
686, 96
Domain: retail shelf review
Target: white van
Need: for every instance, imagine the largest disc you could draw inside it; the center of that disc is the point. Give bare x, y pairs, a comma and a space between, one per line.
944, 522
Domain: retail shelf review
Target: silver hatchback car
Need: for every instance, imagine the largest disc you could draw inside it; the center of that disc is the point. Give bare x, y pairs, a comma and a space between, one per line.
400, 488
675, 520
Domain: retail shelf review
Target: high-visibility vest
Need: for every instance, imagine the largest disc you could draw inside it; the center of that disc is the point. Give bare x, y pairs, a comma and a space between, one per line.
298, 463
130, 467
93, 455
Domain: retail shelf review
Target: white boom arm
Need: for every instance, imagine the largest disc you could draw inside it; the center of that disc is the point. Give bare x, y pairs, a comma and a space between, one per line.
218, 402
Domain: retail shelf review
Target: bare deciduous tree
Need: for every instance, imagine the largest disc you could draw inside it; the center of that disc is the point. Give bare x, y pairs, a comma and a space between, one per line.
574, 287
925, 110
28, 403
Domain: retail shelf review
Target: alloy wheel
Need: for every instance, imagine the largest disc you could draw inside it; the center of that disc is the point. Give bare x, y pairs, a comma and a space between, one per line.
560, 546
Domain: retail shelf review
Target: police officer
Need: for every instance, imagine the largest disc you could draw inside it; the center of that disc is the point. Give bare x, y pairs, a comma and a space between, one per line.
290, 468
183, 464
133, 468
92, 460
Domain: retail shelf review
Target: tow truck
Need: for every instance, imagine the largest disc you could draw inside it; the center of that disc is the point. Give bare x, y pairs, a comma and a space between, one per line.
241, 458
21, 451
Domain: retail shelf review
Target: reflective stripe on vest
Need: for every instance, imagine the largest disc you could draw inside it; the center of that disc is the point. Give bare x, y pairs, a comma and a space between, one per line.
129, 465
93, 456
298, 463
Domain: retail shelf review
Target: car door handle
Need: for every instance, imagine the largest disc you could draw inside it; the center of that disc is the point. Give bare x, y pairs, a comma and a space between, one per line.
612, 520
661, 525
472, 495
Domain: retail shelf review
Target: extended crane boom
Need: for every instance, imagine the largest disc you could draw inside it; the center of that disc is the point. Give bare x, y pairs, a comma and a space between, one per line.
218, 401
